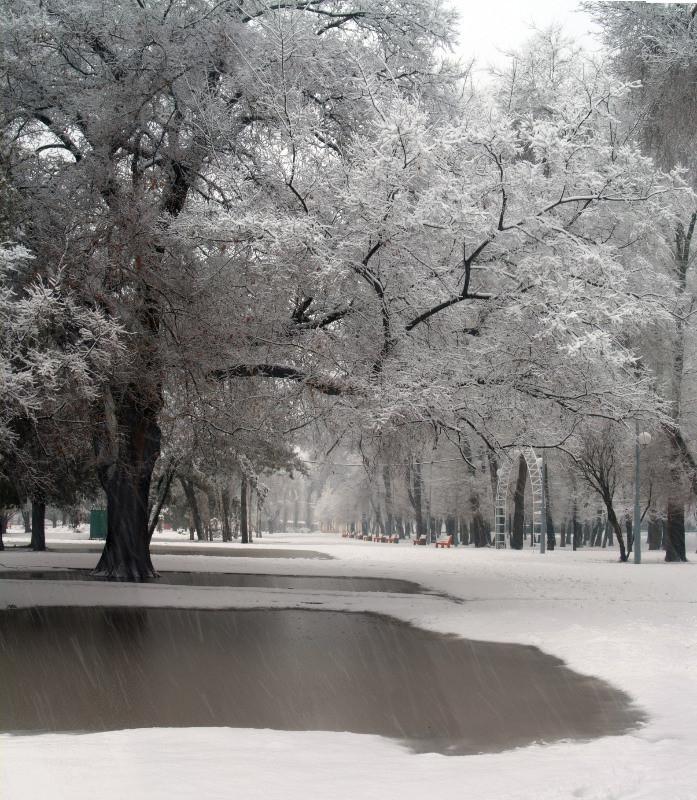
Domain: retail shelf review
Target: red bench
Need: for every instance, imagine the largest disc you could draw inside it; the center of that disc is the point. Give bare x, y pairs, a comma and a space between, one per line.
443, 541
421, 540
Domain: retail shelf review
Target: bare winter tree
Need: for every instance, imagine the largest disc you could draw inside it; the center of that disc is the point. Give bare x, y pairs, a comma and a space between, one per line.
599, 463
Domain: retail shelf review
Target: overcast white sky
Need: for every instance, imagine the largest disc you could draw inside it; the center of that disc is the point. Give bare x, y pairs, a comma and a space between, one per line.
488, 24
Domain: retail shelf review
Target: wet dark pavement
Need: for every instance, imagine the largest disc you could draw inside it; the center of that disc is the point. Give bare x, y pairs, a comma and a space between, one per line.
236, 580
99, 669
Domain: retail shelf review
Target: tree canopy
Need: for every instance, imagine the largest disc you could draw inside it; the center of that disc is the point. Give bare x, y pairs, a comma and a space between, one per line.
293, 213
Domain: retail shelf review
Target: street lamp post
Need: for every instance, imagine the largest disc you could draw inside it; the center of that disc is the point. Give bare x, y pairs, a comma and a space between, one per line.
642, 439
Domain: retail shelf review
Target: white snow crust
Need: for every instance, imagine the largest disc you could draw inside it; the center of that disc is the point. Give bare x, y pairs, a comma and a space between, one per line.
632, 625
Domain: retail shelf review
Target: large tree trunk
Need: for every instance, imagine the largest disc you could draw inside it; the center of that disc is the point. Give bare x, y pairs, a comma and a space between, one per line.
4, 518
38, 525
675, 533
309, 508
629, 527
654, 533
206, 514
244, 517
284, 512
399, 527
549, 522
608, 539
616, 527
675, 539
225, 503
519, 505
389, 505
451, 529
378, 513
577, 529
190, 494
414, 490
478, 534
126, 481
162, 490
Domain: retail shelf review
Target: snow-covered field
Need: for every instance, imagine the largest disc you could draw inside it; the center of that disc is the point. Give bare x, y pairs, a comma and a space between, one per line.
635, 626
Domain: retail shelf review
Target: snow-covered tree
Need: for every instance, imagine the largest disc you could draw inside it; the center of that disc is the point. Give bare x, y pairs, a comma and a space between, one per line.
293, 192
56, 357
508, 262
505, 266
655, 45
127, 125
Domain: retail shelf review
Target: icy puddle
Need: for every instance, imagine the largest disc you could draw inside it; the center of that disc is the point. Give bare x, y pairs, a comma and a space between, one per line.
158, 548
236, 580
98, 669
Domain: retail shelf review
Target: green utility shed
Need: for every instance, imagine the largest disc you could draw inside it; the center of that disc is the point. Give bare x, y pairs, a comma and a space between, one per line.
98, 524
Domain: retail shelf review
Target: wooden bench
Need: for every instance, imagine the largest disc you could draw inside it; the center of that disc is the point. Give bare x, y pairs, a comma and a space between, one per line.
443, 541
421, 540
394, 539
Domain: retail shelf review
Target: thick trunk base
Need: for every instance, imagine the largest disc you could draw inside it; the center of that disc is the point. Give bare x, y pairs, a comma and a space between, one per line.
244, 520
517, 533
117, 567
126, 554
38, 525
675, 534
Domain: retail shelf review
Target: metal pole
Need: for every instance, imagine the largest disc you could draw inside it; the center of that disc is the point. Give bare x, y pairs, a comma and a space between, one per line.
637, 510
543, 521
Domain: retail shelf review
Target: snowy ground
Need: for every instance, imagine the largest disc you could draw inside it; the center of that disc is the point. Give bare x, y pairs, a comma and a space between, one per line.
635, 626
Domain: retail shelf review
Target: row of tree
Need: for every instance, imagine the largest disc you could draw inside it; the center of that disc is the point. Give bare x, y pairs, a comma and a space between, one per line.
450, 486
232, 225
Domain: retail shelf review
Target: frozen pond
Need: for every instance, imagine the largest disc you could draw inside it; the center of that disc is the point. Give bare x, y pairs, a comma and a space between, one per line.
237, 580
99, 669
